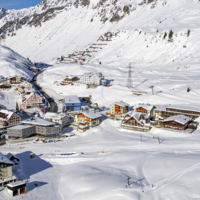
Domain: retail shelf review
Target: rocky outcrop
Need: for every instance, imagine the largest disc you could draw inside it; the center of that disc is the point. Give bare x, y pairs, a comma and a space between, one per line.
2, 12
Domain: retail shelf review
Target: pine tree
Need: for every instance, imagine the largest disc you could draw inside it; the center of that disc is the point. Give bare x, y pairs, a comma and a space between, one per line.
17, 107
171, 34
188, 90
188, 33
165, 35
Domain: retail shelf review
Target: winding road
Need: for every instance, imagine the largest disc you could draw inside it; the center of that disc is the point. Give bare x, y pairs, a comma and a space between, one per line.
53, 105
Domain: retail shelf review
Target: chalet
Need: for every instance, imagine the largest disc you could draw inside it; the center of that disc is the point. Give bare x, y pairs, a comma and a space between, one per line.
6, 175
3, 80
5, 87
84, 120
59, 118
73, 103
179, 122
69, 79
14, 80
136, 121
144, 108
164, 112
9, 118
93, 79
23, 86
119, 109
32, 100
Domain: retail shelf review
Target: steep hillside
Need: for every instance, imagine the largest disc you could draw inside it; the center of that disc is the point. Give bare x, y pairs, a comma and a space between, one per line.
12, 64
132, 31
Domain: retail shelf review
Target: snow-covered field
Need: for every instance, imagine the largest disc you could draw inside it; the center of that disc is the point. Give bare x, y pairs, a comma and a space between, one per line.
171, 67
172, 166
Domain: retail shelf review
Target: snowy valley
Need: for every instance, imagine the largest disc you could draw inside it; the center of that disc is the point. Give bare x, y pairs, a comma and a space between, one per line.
159, 39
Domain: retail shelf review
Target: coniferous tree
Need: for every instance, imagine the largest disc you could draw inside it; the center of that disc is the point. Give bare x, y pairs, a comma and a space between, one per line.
170, 34
188, 33
17, 107
188, 90
165, 35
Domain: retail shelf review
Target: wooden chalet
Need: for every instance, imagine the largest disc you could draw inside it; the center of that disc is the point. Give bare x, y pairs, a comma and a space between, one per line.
84, 120
136, 122
119, 108
144, 108
14, 80
179, 122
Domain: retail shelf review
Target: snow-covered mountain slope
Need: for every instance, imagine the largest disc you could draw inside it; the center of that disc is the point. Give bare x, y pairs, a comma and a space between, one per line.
12, 64
55, 28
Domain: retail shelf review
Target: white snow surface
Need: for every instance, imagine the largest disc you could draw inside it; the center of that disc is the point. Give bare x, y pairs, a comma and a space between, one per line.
12, 64
171, 67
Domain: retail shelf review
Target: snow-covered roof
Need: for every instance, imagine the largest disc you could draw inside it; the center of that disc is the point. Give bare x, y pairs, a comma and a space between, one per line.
5, 114
29, 90
91, 114
38, 121
120, 103
136, 115
179, 107
24, 84
161, 108
145, 106
19, 127
185, 107
4, 159
51, 115
182, 119
32, 110
16, 184
72, 99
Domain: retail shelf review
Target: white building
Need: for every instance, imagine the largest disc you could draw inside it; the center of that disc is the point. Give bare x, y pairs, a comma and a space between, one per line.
59, 118
93, 79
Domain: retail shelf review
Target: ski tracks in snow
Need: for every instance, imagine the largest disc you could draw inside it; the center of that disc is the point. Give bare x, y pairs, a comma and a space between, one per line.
163, 183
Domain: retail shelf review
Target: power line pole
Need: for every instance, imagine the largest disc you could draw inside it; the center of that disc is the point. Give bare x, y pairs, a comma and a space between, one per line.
129, 81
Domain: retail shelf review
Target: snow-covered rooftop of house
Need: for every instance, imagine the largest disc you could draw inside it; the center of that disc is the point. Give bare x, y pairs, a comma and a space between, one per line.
29, 90
15, 184
182, 119
137, 115
51, 115
38, 121
32, 110
161, 108
72, 99
19, 127
6, 113
24, 84
91, 114
185, 107
145, 106
4, 159
120, 103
